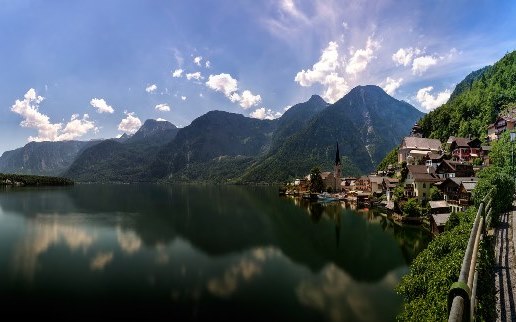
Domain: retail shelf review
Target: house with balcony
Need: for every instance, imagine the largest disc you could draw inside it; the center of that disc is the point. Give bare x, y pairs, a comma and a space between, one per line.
451, 169
465, 149
457, 191
504, 122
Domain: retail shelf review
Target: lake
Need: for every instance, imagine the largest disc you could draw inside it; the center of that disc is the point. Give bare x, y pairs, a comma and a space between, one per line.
195, 252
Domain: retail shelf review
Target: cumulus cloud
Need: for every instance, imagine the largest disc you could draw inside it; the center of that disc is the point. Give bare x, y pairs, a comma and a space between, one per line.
28, 108
404, 56
429, 101
421, 64
224, 83
328, 63
159, 119
390, 85
207, 64
130, 124
77, 127
325, 72
183, 98
177, 73
151, 88
247, 99
162, 108
196, 76
361, 57
197, 60
265, 114
101, 106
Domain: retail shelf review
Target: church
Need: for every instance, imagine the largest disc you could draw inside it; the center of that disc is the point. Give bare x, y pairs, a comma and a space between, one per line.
333, 179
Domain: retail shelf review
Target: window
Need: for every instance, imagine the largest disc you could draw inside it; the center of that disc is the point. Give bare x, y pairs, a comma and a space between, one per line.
424, 186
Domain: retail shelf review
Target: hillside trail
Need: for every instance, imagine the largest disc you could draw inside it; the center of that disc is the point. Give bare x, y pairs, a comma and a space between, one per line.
505, 266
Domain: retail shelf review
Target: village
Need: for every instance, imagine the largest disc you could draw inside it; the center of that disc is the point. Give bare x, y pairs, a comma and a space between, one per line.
431, 179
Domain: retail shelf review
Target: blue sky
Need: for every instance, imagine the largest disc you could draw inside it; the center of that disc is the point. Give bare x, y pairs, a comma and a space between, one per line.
98, 68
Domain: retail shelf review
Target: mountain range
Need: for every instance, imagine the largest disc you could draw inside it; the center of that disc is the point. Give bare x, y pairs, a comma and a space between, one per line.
227, 147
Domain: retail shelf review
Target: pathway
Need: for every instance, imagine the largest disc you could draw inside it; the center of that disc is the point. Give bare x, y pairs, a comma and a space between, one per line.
505, 273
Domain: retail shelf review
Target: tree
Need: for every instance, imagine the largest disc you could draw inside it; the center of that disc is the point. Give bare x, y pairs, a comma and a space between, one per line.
411, 208
435, 194
316, 181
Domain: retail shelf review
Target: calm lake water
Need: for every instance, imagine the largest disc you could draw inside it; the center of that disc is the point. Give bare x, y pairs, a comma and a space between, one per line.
197, 253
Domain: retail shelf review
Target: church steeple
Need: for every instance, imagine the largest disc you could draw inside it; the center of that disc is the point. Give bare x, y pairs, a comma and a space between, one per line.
337, 155
337, 172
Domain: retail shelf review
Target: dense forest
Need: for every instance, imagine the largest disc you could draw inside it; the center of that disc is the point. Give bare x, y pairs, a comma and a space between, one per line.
475, 102
29, 180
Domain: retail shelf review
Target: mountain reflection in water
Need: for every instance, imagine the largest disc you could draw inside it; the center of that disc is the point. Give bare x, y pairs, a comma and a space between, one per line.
197, 253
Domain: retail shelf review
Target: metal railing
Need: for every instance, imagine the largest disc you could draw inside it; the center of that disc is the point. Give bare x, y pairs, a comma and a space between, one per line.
462, 294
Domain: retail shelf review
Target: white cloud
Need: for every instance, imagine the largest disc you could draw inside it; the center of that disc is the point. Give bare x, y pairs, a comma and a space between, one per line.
345, 25
196, 76
328, 63
151, 88
101, 105
361, 57
177, 73
328, 70
247, 99
289, 7
336, 87
197, 60
404, 56
162, 108
28, 108
265, 114
286, 108
390, 85
183, 98
76, 128
224, 83
130, 124
429, 101
421, 64
161, 120
207, 64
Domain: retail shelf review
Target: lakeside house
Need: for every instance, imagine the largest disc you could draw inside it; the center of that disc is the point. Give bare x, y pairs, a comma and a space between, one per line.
414, 149
439, 215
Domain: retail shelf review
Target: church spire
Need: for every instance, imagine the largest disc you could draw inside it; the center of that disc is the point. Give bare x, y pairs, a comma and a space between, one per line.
337, 155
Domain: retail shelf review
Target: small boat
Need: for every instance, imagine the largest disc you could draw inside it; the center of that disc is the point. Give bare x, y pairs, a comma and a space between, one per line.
326, 197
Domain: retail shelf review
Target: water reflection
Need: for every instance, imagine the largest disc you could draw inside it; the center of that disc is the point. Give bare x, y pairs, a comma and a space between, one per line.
412, 240
237, 252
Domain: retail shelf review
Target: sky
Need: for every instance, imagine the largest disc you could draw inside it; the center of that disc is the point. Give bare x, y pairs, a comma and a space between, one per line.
82, 70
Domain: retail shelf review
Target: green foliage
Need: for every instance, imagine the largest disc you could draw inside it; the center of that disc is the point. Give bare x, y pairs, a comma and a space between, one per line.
434, 270
435, 194
496, 181
390, 158
316, 181
411, 208
28, 180
475, 103
398, 193
453, 221
478, 161
404, 171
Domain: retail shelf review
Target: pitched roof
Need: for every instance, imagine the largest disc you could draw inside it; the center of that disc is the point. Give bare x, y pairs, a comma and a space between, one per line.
469, 185
438, 204
411, 142
324, 175
376, 179
420, 169
425, 177
441, 219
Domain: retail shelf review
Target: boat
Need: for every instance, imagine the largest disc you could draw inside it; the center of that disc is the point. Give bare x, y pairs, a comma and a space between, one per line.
326, 197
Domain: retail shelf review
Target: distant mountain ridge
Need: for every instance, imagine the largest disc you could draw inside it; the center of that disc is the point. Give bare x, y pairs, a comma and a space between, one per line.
227, 147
